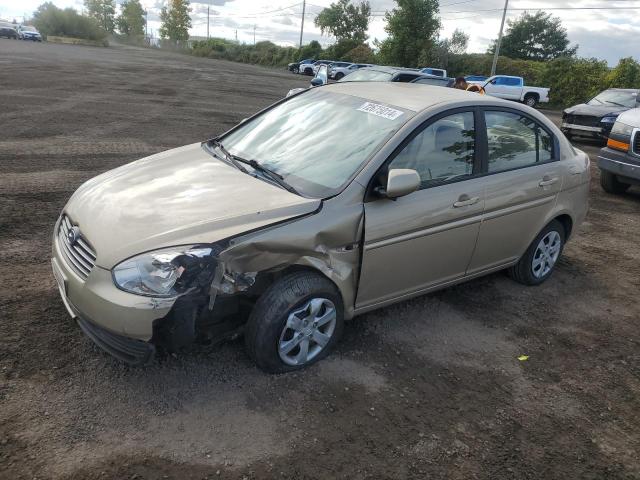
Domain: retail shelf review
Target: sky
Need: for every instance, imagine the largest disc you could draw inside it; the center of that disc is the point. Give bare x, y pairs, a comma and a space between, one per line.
609, 31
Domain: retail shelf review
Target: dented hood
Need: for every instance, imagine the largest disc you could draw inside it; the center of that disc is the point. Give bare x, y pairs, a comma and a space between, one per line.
177, 197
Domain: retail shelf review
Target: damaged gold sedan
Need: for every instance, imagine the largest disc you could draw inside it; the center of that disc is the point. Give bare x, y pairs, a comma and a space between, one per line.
331, 203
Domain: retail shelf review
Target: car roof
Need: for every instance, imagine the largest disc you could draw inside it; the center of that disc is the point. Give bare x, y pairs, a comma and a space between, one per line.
629, 90
410, 96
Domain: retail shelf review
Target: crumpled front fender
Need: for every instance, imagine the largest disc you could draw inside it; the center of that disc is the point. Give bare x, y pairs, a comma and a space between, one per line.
327, 241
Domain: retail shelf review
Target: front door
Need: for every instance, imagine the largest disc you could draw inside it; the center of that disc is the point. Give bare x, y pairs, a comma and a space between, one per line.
425, 238
523, 181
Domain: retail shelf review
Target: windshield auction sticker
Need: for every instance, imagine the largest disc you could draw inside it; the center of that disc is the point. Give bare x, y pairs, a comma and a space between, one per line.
380, 110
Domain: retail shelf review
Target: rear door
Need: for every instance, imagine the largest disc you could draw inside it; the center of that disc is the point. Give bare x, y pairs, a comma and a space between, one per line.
523, 178
425, 238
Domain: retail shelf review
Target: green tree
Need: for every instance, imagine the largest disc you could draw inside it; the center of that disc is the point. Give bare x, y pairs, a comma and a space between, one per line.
573, 80
447, 48
625, 75
104, 11
345, 21
313, 49
131, 21
413, 28
51, 20
175, 20
538, 36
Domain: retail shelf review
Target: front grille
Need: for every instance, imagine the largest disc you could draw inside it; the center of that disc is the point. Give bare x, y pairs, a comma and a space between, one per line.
583, 120
636, 143
78, 254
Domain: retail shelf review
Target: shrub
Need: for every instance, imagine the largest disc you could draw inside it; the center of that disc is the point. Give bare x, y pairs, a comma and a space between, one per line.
51, 20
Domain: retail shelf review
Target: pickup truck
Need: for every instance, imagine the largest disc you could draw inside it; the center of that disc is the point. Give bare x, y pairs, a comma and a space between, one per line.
513, 88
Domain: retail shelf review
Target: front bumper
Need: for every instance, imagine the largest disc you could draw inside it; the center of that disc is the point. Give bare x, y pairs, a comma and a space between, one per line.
621, 164
115, 320
601, 131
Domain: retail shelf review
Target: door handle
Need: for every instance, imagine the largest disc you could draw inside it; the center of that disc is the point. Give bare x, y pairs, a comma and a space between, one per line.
465, 201
546, 181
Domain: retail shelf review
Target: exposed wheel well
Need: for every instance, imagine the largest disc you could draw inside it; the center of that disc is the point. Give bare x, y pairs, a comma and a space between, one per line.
567, 223
265, 279
532, 94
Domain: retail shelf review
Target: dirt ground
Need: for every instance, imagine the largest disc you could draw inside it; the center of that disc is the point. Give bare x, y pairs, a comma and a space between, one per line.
429, 388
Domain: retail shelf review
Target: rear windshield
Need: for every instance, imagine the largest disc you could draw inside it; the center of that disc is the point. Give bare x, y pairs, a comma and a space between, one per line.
317, 140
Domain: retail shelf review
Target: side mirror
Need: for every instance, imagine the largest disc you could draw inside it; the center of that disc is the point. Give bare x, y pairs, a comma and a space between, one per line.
401, 182
493, 82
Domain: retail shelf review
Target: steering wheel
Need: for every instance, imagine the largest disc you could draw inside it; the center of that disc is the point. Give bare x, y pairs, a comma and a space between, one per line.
476, 89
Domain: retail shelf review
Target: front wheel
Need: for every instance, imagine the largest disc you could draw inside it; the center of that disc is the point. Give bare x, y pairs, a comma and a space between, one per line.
539, 261
339, 75
296, 322
610, 183
296, 70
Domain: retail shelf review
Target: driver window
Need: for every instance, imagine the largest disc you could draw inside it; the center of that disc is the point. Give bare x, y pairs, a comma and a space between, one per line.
442, 152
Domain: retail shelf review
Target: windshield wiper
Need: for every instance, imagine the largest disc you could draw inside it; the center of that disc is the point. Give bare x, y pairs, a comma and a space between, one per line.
229, 156
616, 103
237, 161
273, 176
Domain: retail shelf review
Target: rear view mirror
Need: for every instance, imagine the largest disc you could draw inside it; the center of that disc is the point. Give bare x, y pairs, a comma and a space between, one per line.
401, 182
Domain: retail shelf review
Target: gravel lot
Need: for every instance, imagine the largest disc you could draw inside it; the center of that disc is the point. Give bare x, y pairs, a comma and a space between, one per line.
429, 388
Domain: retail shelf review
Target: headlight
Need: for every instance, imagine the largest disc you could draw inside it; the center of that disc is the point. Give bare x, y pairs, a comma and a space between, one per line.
608, 119
164, 273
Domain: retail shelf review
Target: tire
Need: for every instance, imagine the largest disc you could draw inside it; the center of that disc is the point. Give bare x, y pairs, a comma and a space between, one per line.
339, 75
296, 70
273, 327
531, 100
308, 71
529, 273
610, 183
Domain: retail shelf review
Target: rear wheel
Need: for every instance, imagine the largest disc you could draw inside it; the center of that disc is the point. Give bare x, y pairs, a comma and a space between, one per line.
611, 184
539, 261
295, 323
339, 75
531, 100
296, 69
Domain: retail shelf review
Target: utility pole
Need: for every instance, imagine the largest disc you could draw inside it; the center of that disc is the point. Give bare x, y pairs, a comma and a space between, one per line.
254, 34
236, 35
207, 21
497, 52
146, 23
304, 5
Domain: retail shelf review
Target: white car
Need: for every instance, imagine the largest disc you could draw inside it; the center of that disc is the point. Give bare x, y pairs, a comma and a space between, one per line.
438, 72
339, 70
513, 88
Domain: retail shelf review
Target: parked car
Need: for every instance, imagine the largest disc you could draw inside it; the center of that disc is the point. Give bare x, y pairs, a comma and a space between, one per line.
619, 161
339, 70
383, 74
321, 78
398, 194
320, 63
295, 66
9, 31
476, 78
434, 80
438, 72
513, 88
27, 32
312, 68
595, 118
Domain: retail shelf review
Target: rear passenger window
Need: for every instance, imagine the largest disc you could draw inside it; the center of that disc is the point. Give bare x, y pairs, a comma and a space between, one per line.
442, 152
516, 141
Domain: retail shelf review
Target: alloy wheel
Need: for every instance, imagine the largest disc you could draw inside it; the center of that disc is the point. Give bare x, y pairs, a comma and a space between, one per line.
307, 332
546, 254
